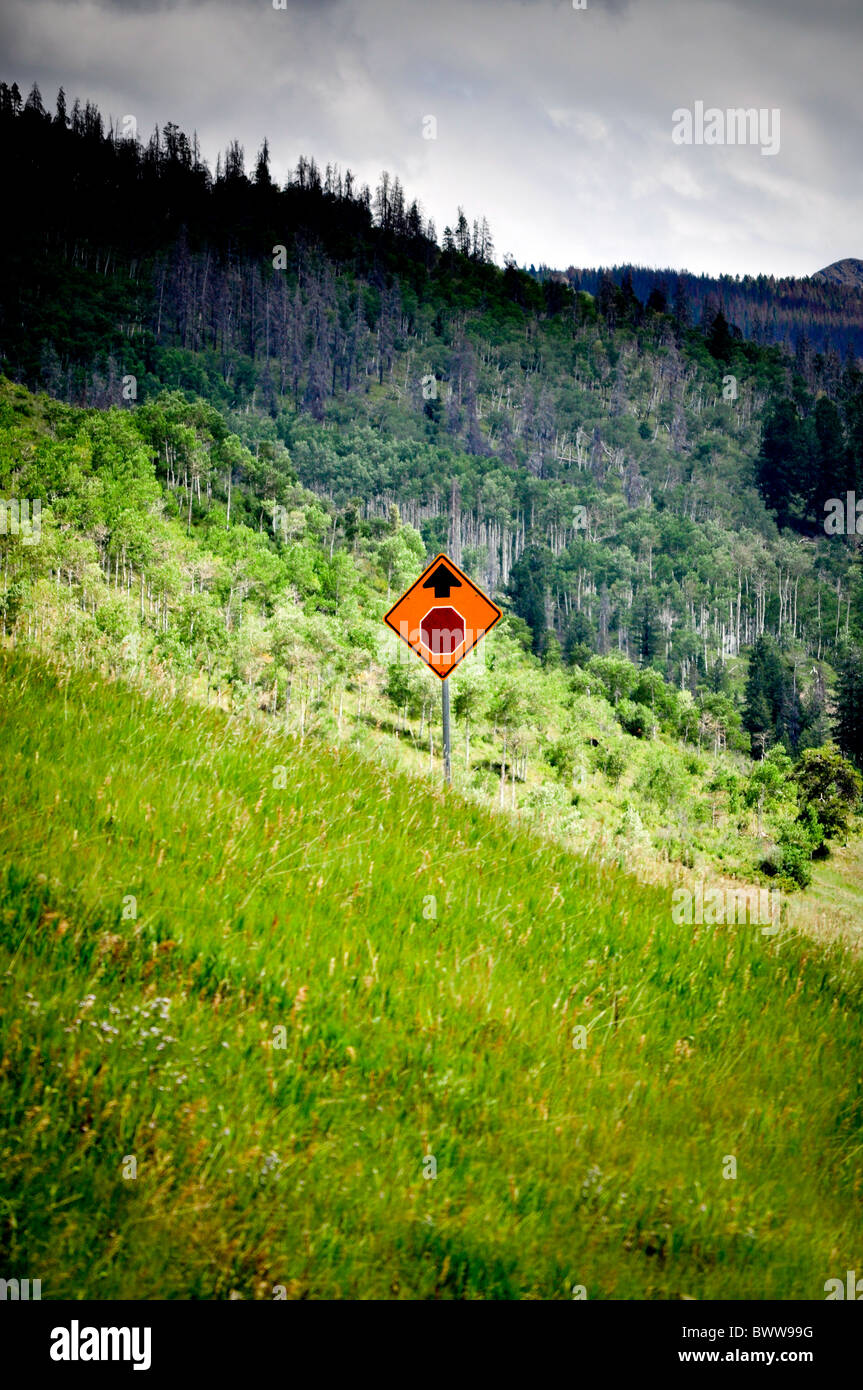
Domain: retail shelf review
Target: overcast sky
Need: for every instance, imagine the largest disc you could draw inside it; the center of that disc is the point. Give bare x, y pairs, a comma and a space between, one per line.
555, 123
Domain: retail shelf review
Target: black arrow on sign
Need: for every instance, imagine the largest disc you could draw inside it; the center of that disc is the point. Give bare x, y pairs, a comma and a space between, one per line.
442, 581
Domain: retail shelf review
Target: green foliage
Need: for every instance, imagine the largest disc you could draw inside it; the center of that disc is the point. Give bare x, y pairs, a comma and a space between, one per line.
634, 718
469, 691
784, 466
829, 786
403, 686
651, 690
661, 780
565, 756
770, 781
772, 705
849, 726
632, 830
611, 762
618, 678
528, 584
798, 841
239, 533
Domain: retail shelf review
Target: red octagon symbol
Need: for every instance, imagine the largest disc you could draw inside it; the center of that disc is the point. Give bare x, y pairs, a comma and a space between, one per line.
442, 630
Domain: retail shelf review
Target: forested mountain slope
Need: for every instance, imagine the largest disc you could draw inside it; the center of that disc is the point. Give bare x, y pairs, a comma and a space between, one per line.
277, 607
291, 395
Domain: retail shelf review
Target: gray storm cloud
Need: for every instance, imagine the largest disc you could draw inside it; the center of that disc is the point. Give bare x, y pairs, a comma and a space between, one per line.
555, 123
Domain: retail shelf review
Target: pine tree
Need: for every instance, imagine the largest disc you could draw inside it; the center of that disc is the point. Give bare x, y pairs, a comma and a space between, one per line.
462, 234
608, 299
765, 695
33, 104
262, 168
681, 309
831, 476
784, 464
61, 119
849, 714
650, 640
657, 301
528, 582
720, 340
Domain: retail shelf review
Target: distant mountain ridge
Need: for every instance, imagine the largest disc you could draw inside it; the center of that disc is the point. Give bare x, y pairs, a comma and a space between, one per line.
823, 311
847, 273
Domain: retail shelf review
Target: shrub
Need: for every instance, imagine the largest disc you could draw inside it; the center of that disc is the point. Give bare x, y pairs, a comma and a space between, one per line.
580, 681
798, 841
655, 692
635, 719
769, 780
796, 862
611, 762
631, 829
662, 781
830, 786
546, 797
617, 675
563, 757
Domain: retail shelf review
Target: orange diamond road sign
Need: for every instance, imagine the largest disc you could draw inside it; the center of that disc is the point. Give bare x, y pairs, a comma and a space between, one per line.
443, 616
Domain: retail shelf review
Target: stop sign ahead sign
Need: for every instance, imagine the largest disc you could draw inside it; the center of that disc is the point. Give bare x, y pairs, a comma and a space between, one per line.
443, 616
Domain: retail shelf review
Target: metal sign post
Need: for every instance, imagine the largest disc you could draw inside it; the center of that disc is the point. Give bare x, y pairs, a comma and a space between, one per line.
447, 747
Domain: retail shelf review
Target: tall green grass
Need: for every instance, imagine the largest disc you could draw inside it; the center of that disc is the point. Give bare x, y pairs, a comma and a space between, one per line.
427, 966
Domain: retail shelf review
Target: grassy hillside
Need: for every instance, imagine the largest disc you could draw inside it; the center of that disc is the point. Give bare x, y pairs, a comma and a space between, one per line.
282, 980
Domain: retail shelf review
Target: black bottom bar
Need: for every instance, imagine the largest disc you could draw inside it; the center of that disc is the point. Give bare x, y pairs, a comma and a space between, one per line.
416, 1340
